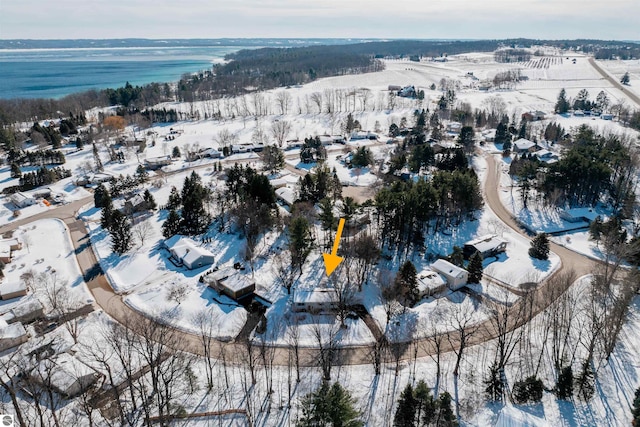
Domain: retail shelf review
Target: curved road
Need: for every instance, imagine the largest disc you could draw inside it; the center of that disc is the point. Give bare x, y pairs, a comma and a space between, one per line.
113, 304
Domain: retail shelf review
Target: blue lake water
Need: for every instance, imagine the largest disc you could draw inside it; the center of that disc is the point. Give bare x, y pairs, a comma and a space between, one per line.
54, 73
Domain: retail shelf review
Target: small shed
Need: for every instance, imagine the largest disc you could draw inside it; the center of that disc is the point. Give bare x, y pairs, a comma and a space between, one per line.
22, 200
232, 283
316, 300
12, 290
429, 283
185, 251
12, 335
455, 276
488, 246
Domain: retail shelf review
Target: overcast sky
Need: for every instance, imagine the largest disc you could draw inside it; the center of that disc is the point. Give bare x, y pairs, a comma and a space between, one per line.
66, 19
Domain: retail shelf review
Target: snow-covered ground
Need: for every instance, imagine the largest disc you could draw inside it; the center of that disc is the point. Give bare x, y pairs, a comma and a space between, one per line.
46, 249
146, 278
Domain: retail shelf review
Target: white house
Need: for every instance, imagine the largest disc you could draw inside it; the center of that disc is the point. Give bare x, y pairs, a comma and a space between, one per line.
578, 215
286, 195
488, 245
454, 127
523, 145
455, 276
429, 283
546, 156
22, 200
316, 300
186, 252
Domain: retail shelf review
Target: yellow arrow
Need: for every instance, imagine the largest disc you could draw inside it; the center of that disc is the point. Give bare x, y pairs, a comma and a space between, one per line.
332, 260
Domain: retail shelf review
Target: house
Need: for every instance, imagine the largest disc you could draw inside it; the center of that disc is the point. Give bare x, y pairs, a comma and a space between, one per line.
578, 215
232, 283
286, 195
66, 374
153, 163
185, 251
533, 116
430, 283
12, 290
454, 127
407, 92
212, 153
578, 113
488, 246
12, 335
489, 135
22, 200
5, 253
523, 145
606, 116
134, 204
26, 312
318, 300
546, 156
455, 276
394, 88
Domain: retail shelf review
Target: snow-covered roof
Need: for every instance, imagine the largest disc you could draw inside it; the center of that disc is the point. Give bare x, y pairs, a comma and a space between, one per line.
523, 144
486, 243
186, 249
429, 280
63, 371
26, 308
315, 296
20, 197
12, 287
446, 268
14, 330
286, 194
237, 282
5, 250
587, 213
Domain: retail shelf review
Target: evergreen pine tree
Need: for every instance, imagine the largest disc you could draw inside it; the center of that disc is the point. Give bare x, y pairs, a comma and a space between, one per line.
406, 413
121, 238
585, 381
494, 384
195, 220
96, 159
407, 282
425, 405
625, 79
107, 214
475, 268
175, 153
101, 196
457, 256
171, 225
562, 105
564, 386
141, 174
540, 247
15, 171
175, 201
444, 414
300, 242
329, 406
635, 410
149, 200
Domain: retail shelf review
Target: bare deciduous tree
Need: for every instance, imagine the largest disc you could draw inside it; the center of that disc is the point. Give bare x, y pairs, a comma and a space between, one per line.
280, 130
